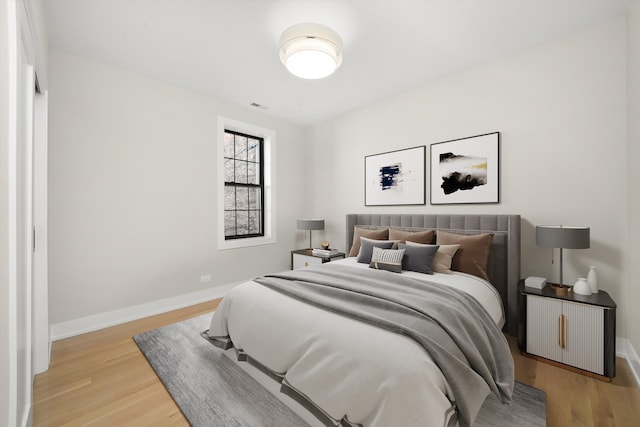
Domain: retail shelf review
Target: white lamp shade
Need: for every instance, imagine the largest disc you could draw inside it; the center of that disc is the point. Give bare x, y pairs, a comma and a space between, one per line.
310, 51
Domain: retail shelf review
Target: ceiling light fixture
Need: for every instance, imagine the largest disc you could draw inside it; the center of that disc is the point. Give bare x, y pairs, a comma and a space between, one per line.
310, 51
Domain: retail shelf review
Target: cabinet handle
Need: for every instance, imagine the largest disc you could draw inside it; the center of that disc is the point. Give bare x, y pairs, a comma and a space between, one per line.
560, 340
306, 264
562, 331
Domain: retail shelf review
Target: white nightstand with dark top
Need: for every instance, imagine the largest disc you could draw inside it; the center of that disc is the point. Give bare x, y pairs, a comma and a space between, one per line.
302, 258
577, 332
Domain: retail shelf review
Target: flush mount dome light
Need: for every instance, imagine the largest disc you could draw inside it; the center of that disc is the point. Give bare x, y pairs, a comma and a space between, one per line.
310, 51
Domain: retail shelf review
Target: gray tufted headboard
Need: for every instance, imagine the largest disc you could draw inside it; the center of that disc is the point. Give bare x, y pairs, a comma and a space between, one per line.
504, 259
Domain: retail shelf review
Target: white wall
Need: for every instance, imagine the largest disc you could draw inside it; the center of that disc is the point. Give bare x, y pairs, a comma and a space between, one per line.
633, 126
5, 348
561, 111
132, 178
133, 169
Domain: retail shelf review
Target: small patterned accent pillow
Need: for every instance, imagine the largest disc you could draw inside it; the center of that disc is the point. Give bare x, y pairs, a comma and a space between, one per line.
387, 259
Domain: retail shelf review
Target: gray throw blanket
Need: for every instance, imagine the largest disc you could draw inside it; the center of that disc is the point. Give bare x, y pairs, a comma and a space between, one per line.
454, 329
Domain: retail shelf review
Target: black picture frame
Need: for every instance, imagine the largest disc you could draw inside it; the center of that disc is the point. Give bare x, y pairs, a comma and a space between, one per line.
396, 178
466, 170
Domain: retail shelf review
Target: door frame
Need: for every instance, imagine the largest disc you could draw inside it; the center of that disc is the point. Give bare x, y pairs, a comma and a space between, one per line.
28, 334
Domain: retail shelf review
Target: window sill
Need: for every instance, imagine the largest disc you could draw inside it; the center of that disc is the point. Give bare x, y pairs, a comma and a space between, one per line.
245, 243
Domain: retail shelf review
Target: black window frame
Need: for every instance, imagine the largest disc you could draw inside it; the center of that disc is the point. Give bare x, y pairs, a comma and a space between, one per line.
245, 185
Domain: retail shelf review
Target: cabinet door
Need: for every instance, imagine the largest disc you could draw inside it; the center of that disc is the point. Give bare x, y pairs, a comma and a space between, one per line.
301, 261
584, 347
543, 327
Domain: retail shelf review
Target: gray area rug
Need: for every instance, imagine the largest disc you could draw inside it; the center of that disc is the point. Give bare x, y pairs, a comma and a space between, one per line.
213, 391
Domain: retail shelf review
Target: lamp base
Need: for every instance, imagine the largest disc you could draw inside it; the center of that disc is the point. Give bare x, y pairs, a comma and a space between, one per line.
560, 289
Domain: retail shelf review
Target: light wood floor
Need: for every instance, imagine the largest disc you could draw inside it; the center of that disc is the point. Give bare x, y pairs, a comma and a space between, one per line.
102, 379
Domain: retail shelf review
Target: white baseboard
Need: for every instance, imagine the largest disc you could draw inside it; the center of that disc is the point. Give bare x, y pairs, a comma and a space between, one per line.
103, 320
116, 317
626, 350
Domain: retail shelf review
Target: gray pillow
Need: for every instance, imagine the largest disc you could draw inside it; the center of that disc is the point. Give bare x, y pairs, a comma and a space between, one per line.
442, 260
366, 248
418, 258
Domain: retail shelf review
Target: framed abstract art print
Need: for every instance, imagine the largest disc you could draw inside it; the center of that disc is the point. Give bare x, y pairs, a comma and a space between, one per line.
466, 170
395, 177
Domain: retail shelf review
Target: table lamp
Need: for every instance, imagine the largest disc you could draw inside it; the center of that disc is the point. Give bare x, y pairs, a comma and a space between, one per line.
310, 224
562, 237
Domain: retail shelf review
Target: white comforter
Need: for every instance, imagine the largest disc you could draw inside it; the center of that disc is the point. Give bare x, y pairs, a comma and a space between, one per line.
348, 368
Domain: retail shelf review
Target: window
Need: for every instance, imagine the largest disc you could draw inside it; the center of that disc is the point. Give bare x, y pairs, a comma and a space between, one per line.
246, 189
243, 185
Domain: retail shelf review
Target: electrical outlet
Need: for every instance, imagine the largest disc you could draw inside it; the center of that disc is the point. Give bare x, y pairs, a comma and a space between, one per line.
205, 278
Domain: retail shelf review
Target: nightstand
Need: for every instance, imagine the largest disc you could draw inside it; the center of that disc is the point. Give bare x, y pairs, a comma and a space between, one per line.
304, 258
576, 332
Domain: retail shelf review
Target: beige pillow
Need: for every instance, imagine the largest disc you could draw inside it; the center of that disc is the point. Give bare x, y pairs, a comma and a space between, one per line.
425, 237
442, 259
375, 234
472, 256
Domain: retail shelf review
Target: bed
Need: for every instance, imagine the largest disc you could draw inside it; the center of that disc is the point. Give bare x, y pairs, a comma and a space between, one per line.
329, 343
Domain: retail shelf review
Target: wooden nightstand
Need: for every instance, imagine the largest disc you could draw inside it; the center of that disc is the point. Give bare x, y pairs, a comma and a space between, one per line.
304, 258
577, 332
